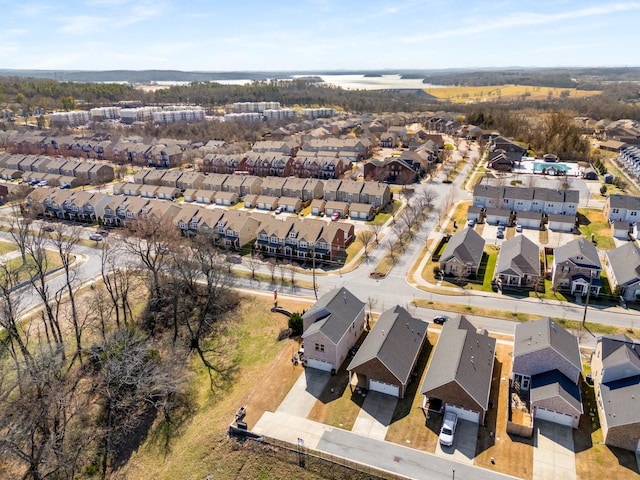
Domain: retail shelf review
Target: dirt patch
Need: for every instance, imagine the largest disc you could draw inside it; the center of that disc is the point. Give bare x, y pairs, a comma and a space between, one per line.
511, 454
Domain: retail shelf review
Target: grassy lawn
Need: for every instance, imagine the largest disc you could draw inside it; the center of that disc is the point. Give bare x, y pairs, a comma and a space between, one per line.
6, 247
264, 376
615, 171
237, 206
24, 274
385, 214
595, 328
353, 249
338, 404
306, 211
459, 216
592, 221
409, 425
385, 265
543, 237
593, 458
548, 294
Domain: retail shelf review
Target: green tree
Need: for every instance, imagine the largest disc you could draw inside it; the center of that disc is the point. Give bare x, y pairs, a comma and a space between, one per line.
295, 324
68, 103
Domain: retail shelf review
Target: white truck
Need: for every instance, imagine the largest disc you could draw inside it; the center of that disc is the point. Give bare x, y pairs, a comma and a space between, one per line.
448, 429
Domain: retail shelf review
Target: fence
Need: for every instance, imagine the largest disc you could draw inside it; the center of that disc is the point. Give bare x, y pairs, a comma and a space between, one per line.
324, 464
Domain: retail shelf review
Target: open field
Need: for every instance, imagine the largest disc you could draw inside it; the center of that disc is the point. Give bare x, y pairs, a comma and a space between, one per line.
503, 92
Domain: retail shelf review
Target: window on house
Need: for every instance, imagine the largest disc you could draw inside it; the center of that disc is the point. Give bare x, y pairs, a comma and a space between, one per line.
565, 268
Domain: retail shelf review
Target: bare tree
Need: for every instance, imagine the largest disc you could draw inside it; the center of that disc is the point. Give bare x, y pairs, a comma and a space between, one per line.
282, 267
272, 265
20, 229
119, 280
366, 237
253, 263
65, 241
376, 228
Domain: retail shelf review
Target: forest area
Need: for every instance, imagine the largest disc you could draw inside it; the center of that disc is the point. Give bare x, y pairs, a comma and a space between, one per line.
99, 365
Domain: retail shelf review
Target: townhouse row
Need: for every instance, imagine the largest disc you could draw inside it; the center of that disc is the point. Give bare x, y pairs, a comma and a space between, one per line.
527, 199
27, 167
376, 194
284, 237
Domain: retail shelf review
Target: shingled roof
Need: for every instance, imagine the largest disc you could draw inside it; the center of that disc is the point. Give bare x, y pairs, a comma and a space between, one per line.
333, 313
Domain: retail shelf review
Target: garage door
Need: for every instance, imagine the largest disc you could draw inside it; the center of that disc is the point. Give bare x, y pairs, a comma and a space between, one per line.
382, 387
319, 364
363, 215
463, 413
555, 417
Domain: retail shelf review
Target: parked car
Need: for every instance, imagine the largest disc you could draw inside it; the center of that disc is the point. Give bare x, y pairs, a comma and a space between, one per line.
448, 429
500, 234
234, 258
65, 186
47, 228
103, 231
278, 211
518, 228
335, 216
440, 319
471, 223
42, 183
96, 237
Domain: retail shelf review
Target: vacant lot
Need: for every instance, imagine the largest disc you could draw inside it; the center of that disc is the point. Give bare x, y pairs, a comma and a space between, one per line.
592, 221
264, 376
504, 92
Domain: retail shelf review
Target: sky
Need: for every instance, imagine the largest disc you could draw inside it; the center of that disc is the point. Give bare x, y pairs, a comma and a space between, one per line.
316, 35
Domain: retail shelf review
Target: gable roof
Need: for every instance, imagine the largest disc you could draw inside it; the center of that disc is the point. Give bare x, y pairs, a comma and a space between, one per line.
553, 384
625, 263
519, 256
395, 340
619, 350
466, 246
333, 314
579, 251
463, 356
537, 335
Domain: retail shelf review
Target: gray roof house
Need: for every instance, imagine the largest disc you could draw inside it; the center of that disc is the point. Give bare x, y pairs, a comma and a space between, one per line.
331, 327
518, 262
615, 366
389, 354
576, 265
459, 376
623, 269
463, 254
547, 366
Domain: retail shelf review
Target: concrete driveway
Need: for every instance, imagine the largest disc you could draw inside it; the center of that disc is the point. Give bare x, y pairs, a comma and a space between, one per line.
375, 415
464, 445
304, 393
553, 453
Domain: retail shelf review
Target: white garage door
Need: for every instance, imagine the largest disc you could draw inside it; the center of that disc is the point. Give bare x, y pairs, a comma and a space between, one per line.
319, 364
382, 387
363, 215
463, 413
555, 417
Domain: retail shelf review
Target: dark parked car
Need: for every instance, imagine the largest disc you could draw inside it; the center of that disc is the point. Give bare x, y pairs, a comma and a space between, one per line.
440, 319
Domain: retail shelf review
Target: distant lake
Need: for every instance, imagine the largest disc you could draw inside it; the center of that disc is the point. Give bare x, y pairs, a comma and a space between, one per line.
356, 82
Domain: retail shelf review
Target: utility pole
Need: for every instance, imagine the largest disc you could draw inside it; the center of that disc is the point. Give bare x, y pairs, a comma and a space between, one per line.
586, 302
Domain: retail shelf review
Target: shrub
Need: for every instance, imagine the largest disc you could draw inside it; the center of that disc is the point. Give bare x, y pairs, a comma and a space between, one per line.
295, 324
603, 189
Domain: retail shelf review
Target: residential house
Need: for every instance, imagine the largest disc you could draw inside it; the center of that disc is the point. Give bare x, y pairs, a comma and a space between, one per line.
615, 367
331, 327
171, 178
623, 269
272, 186
215, 182
40, 165
459, 376
131, 211
463, 254
128, 189
302, 188
576, 266
331, 167
250, 200
498, 216
285, 147
622, 208
331, 188
273, 234
386, 359
190, 180
306, 166
331, 207
138, 177
529, 219
350, 190
187, 218
160, 211
376, 194
621, 230
54, 166
266, 202
154, 177
547, 365
236, 229
94, 208
110, 216
69, 168
487, 196
101, 173
518, 263
499, 160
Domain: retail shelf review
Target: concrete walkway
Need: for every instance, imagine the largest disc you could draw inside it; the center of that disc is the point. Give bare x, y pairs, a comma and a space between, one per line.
304, 393
375, 415
553, 452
